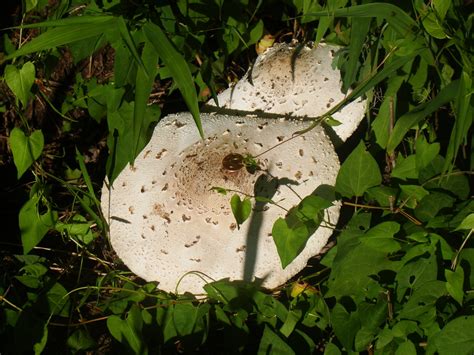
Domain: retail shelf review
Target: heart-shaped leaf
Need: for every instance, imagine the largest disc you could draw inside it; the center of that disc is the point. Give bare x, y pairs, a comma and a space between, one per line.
240, 208
21, 80
359, 172
25, 149
33, 225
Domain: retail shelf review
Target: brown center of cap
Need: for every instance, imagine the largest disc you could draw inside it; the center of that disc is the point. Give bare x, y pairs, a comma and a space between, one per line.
233, 162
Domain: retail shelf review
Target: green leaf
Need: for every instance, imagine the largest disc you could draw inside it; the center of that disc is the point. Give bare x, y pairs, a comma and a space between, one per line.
70, 30
178, 68
463, 111
425, 152
58, 300
129, 331
381, 237
467, 223
80, 339
359, 256
441, 7
291, 321
412, 195
143, 85
432, 204
291, 234
381, 124
25, 149
271, 343
410, 119
396, 17
241, 209
433, 26
256, 33
358, 173
455, 283
405, 168
345, 325
20, 80
359, 30
33, 224
421, 304
121, 136
406, 348
456, 337
332, 349
190, 320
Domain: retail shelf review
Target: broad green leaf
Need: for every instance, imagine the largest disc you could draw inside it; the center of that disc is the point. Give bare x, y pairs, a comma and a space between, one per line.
20, 80
70, 30
425, 152
467, 223
410, 119
421, 303
381, 237
255, 33
291, 234
289, 241
80, 339
58, 300
455, 283
33, 224
291, 321
30, 5
433, 26
432, 204
345, 325
359, 257
25, 149
241, 209
363, 338
456, 337
178, 68
271, 343
441, 7
405, 168
331, 349
129, 331
384, 195
419, 267
358, 173
184, 318
412, 195
406, 348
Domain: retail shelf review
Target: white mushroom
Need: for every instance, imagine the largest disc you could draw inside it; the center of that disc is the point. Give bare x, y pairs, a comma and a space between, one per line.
166, 222
298, 82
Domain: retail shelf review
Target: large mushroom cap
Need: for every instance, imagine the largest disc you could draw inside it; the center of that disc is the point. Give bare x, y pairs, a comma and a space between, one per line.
165, 221
294, 81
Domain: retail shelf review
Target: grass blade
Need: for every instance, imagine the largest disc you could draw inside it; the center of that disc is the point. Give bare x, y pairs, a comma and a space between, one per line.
359, 30
178, 68
60, 36
464, 119
143, 87
396, 17
408, 120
